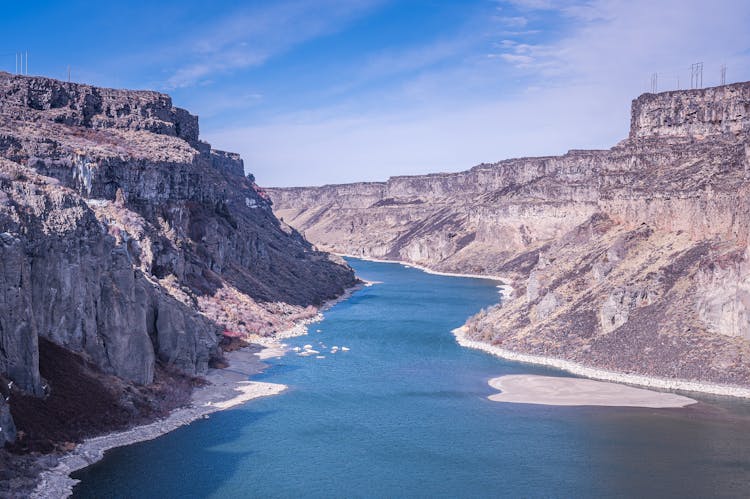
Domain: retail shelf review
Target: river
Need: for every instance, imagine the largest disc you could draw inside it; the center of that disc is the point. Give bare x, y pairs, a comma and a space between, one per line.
404, 413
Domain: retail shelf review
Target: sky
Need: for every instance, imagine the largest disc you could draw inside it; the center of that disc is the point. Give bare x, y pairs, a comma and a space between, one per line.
333, 91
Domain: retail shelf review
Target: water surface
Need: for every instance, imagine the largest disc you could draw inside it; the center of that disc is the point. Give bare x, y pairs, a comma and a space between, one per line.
405, 413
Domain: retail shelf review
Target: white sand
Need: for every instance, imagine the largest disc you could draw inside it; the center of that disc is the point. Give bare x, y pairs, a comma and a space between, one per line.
550, 390
272, 351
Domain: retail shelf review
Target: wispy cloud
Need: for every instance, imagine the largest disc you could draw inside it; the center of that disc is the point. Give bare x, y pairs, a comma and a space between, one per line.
622, 42
571, 90
512, 21
249, 37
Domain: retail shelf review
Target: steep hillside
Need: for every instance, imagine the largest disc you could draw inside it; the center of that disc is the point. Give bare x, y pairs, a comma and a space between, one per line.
132, 245
632, 259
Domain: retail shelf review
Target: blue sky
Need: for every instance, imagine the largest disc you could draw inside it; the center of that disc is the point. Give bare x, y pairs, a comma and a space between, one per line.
327, 91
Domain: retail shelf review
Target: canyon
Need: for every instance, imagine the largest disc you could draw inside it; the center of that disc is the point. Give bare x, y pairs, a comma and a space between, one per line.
631, 260
130, 253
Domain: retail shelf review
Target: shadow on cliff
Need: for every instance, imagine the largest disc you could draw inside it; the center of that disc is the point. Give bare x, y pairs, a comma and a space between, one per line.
83, 401
256, 256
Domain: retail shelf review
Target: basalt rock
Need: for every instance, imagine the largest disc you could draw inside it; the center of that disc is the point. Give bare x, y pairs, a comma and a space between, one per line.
126, 240
632, 259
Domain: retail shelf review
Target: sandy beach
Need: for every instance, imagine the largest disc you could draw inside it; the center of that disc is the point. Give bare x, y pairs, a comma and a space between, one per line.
551, 390
600, 374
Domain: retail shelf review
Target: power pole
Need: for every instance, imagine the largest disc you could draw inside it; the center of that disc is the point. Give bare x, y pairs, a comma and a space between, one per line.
68, 73
654, 83
27, 63
696, 75
723, 74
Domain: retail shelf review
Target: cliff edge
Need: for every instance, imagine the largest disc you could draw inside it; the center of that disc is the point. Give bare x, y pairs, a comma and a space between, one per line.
127, 248
633, 259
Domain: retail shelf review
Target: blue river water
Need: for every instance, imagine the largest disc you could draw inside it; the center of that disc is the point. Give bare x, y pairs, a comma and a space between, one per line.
405, 413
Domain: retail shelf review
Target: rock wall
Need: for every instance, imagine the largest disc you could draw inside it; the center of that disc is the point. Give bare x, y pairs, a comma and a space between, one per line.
692, 113
631, 259
74, 104
127, 240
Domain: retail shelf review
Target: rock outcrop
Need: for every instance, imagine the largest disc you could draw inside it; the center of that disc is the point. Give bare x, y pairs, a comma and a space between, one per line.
632, 259
126, 240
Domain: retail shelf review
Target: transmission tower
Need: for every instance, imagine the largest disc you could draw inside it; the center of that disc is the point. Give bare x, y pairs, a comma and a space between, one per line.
696, 75
654, 83
22, 63
723, 74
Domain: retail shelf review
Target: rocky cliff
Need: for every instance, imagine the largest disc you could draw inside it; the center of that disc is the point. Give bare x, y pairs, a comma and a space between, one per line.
131, 246
633, 259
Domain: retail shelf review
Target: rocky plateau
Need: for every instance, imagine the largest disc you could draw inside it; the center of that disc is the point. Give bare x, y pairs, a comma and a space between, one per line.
633, 259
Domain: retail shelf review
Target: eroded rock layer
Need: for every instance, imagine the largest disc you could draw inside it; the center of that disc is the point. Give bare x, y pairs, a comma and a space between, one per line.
633, 259
130, 243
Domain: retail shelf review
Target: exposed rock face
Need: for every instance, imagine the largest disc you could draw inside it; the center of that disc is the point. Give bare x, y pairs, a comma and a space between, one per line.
127, 240
697, 113
7, 425
633, 259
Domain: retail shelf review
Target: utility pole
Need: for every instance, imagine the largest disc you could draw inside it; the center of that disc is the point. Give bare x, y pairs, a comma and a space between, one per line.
723, 74
21, 67
696, 75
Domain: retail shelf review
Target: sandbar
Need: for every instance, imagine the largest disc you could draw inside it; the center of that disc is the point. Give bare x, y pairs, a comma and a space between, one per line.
565, 391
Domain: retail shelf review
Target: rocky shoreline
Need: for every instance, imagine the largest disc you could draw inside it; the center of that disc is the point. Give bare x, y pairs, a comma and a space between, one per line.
571, 367
600, 374
632, 259
228, 388
505, 289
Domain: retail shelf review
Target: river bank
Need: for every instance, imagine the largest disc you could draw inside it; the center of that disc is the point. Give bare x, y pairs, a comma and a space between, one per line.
505, 289
600, 374
228, 387
574, 368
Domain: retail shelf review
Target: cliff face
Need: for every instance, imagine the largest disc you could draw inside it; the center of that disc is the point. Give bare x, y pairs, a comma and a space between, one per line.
127, 241
631, 259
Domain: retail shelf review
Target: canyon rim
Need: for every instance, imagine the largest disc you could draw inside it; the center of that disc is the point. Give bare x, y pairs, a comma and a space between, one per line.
311, 292
628, 263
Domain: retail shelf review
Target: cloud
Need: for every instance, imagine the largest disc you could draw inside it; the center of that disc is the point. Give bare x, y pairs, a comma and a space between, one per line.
513, 22
536, 4
517, 59
621, 43
249, 37
568, 90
